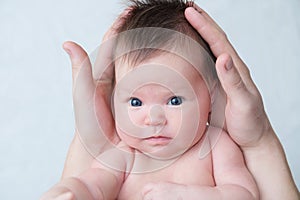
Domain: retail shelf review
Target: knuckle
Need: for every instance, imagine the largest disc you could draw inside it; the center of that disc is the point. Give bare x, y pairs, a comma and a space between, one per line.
238, 83
247, 72
223, 35
253, 105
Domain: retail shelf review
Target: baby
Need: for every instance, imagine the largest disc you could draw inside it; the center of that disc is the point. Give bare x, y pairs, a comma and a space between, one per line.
162, 105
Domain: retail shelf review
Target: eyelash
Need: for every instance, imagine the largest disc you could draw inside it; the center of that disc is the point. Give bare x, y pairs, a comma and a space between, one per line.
135, 102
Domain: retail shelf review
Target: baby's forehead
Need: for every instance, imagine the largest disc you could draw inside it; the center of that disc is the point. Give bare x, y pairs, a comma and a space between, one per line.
173, 62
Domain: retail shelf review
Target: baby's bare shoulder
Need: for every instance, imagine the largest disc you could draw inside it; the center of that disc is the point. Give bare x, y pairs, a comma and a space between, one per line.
219, 138
224, 150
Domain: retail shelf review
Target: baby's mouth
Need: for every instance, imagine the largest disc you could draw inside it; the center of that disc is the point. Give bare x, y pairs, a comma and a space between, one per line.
158, 140
152, 131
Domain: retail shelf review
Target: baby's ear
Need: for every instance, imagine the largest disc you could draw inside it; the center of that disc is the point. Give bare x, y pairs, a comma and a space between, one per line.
218, 103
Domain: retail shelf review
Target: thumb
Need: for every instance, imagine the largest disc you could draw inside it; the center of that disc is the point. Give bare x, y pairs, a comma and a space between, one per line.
79, 58
230, 78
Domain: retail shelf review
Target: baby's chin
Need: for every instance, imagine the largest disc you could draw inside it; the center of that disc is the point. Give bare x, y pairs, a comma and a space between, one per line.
163, 155
165, 152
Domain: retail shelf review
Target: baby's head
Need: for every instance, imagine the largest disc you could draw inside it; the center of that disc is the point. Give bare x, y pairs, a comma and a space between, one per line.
161, 101
148, 28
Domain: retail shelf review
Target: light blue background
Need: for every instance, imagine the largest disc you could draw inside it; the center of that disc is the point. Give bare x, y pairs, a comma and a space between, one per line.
36, 116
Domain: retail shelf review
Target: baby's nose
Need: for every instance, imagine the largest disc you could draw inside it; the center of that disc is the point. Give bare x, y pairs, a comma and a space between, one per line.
156, 116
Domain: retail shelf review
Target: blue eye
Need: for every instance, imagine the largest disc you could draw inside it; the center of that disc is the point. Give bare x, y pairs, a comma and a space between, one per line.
175, 101
135, 102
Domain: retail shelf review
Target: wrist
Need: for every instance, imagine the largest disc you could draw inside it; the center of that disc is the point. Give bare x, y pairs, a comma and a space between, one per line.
266, 143
267, 163
263, 135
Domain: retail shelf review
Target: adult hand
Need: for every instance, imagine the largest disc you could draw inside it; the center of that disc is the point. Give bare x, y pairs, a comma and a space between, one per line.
246, 119
92, 89
244, 102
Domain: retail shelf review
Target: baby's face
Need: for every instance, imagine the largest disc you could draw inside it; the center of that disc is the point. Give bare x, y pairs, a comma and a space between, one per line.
161, 105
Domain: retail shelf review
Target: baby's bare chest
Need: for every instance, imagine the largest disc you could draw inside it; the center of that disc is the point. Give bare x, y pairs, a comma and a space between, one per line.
188, 170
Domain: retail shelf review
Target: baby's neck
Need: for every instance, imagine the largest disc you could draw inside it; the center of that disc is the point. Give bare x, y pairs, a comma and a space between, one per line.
145, 163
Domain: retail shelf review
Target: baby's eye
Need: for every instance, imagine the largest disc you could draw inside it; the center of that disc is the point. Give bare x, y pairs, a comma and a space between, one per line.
175, 101
135, 102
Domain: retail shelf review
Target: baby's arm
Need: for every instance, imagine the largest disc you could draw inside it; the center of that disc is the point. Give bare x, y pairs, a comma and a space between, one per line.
95, 183
232, 178
98, 182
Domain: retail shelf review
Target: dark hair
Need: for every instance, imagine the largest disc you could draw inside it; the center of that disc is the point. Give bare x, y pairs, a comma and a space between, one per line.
163, 14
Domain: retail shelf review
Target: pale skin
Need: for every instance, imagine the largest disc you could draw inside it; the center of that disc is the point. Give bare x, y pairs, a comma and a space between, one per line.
261, 148
260, 145
221, 174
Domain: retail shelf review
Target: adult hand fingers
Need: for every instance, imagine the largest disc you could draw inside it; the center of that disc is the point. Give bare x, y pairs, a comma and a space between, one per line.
83, 84
78, 58
58, 192
117, 23
217, 40
230, 78
103, 67
209, 30
84, 93
246, 119
103, 74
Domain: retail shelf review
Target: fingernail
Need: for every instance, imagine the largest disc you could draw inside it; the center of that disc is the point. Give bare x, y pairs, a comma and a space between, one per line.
195, 10
68, 51
192, 11
199, 10
65, 47
229, 64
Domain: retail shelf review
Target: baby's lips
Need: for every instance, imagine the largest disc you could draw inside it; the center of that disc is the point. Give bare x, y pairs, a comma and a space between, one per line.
150, 131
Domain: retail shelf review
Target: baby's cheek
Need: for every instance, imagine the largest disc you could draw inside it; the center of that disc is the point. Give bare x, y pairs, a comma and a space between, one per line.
191, 113
136, 116
127, 138
174, 118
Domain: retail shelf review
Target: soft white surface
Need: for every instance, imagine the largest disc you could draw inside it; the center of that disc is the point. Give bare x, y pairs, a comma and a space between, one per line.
36, 117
